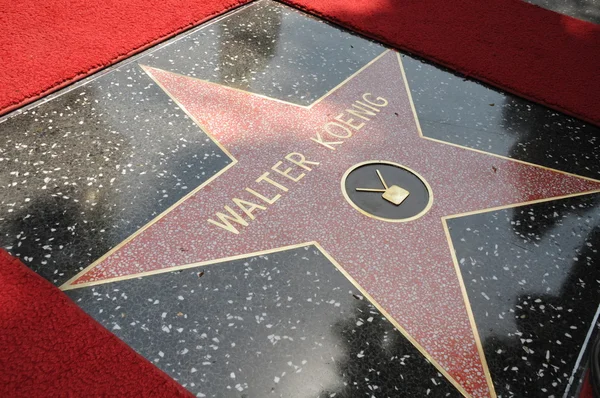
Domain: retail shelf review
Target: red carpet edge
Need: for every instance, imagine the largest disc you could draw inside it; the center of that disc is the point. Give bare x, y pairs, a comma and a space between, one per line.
543, 56
529, 51
44, 51
49, 347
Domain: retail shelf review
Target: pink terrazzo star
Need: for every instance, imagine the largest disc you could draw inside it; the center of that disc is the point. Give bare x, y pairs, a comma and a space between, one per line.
406, 267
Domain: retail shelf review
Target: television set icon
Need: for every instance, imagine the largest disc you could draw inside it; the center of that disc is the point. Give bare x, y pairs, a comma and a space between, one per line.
393, 194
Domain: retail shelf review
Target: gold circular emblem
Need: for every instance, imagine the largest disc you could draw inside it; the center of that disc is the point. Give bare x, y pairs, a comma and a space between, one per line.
387, 191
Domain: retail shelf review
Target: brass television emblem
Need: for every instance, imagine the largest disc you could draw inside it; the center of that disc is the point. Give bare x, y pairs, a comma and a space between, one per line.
404, 195
393, 194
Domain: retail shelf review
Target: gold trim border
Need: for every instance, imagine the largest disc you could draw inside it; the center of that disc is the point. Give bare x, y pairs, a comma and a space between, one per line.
444, 219
405, 333
460, 277
148, 68
337, 265
148, 71
420, 177
418, 124
68, 285
352, 76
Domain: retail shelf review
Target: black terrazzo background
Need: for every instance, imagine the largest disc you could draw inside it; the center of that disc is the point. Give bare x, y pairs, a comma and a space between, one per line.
83, 171
532, 275
465, 112
80, 173
269, 49
287, 324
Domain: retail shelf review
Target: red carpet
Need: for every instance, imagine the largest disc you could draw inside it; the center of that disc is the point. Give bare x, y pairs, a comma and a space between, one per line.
524, 49
45, 45
49, 347
535, 53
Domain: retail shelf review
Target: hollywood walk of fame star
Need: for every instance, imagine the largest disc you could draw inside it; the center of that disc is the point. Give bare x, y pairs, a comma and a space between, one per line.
406, 267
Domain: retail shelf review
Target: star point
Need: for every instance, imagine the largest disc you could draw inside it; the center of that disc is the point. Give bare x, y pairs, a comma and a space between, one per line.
283, 189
